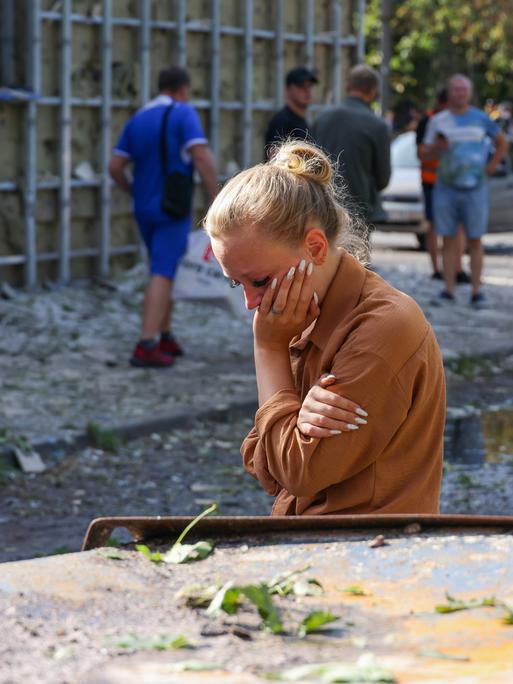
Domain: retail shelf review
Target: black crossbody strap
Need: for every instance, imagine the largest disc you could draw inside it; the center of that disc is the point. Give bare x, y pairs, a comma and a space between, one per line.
163, 140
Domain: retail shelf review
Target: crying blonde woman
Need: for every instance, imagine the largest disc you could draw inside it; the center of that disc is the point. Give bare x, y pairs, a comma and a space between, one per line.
351, 387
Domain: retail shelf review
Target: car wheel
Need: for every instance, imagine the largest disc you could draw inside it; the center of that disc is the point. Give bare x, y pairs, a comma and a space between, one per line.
421, 239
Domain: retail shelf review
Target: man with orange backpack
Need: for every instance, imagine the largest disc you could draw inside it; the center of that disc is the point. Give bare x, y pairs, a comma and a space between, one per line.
428, 169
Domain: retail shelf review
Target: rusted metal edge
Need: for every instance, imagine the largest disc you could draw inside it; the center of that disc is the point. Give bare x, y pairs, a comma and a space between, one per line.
146, 527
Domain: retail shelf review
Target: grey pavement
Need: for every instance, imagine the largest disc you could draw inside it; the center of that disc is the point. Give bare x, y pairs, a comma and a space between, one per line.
64, 352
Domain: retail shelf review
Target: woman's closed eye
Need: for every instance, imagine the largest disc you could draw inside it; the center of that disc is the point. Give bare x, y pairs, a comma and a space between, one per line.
260, 283
255, 283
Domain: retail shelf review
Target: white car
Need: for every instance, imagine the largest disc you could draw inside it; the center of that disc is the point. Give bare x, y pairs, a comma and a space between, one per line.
403, 199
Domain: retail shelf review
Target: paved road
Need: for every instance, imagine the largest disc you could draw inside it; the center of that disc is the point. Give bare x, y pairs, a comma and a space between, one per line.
460, 329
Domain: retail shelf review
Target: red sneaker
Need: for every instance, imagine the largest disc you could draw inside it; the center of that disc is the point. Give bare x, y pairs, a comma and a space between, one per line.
168, 345
152, 357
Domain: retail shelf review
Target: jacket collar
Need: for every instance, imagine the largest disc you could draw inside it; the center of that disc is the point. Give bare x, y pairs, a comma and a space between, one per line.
159, 101
356, 103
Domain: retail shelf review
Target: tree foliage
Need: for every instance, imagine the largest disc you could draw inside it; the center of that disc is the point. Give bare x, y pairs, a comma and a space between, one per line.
432, 39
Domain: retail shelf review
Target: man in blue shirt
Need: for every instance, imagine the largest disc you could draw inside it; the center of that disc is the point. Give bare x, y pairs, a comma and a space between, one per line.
165, 236
461, 137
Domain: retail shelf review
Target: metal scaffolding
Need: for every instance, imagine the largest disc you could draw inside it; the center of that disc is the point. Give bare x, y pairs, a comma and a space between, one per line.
105, 103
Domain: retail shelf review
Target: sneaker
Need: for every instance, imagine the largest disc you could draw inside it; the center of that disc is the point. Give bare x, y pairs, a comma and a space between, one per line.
150, 357
444, 298
478, 301
463, 278
437, 275
168, 345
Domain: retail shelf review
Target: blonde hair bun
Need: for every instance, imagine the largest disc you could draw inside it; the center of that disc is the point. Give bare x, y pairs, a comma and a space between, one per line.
305, 160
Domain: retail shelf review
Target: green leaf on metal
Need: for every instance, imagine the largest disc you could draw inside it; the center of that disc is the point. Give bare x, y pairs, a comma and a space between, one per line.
190, 665
113, 554
435, 653
366, 669
356, 590
184, 553
227, 599
161, 642
314, 621
260, 596
453, 604
153, 556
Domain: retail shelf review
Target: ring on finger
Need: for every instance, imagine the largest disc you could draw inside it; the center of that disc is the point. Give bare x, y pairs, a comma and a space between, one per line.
275, 312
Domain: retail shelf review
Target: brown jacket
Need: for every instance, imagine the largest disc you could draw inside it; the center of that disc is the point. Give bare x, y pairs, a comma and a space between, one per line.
384, 354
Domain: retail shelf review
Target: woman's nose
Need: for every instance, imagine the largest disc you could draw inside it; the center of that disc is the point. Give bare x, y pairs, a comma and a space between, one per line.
252, 299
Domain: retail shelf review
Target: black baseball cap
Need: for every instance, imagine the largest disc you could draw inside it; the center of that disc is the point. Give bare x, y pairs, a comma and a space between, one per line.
300, 75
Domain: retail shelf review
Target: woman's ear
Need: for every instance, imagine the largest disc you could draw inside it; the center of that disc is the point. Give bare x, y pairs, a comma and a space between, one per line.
316, 245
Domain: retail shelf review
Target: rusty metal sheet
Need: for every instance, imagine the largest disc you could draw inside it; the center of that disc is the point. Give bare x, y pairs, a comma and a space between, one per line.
395, 619
147, 527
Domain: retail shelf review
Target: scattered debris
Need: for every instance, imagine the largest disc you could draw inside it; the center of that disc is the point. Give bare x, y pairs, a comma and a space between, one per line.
378, 541
413, 528
29, 461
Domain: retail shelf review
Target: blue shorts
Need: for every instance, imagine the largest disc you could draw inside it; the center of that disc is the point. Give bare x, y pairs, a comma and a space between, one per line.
452, 206
166, 242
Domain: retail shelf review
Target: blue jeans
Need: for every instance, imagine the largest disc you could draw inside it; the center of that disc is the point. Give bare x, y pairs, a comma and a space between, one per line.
452, 206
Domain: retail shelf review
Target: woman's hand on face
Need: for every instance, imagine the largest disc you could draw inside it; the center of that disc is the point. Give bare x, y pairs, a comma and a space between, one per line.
326, 414
286, 310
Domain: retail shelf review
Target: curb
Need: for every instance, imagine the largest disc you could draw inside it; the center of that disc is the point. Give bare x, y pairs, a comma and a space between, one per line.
54, 450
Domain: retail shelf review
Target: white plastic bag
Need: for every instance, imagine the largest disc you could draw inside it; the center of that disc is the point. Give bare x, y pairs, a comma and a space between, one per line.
199, 277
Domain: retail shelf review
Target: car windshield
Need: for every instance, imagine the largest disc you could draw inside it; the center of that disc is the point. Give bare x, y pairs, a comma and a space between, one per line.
404, 152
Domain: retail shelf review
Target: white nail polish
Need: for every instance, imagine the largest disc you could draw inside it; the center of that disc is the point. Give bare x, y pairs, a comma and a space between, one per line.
309, 269
360, 421
291, 272
274, 283
302, 265
361, 412
336, 432
350, 426
316, 298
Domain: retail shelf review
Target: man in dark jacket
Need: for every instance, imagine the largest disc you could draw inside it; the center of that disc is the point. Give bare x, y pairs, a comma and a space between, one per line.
360, 141
290, 122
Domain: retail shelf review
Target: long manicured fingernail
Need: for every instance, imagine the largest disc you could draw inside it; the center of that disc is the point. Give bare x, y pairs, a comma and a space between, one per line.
361, 412
336, 432
360, 421
274, 283
316, 298
302, 266
329, 376
291, 272
350, 426
309, 270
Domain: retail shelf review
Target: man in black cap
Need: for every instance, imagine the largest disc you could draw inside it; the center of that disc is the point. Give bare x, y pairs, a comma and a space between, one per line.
290, 122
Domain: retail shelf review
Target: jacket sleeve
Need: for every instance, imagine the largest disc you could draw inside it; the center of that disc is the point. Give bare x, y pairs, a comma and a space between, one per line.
281, 457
